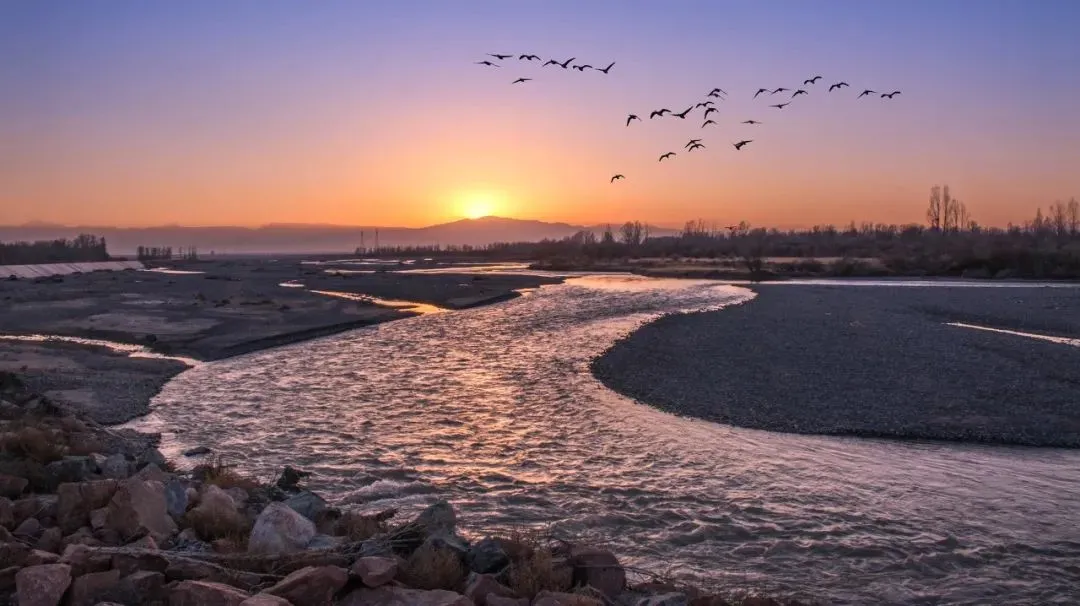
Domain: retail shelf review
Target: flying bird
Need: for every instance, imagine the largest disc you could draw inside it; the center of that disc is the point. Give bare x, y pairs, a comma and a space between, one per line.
838, 85
529, 57
740, 145
780, 90
708, 111
659, 113
705, 104
866, 92
708, 122
683, 114
890, 95
696, 146
751, 122
667, 155
564, 65
616, 177
606, 69
714, 94
692, 142
798, 92
521, 80
550, 62
812, 80
582, 68
499, 57
759, 91
632, 117
781, 105
487, 63
717, 90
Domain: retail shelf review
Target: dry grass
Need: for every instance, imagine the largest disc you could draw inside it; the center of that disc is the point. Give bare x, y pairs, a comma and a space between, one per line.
539, 571
221, 474
432, 568
360, 527
35, 443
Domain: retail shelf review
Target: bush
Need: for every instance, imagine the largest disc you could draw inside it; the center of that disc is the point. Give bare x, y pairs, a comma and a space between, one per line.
431, 567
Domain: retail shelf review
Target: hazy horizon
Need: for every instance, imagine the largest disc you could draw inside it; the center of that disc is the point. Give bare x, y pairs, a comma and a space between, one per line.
245, 114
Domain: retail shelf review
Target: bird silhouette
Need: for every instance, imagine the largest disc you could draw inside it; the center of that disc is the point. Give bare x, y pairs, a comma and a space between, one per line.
683, 114
521, 80
529, 57
890, 95
812, 80
708, 122
696, 146
751, 122
781, 105
550, 62
631, 117
865, 93
731, 227
798, 92
487, 63
740, 145
780, 90
667, 155
759, 91
606, 69
717, 90
659, 113
709, 110
714, 94
838, 85
692, 142
499, 57
704, 104
566, 63
582, 68
616, 177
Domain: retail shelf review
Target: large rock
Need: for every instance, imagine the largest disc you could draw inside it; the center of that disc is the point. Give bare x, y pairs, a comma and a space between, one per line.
29, 530
84, 560
279, 530
487, 556
265, 599
141, 587
115, 466
176, 498
38, 557
311, 586
374, 571
14, 554
131, 563
290, 478
481, 587
70, 469
205, 593
389, 595
216, 515
597, 568
438, 518
89, 589
40, 506
495, 600
51, 540
12, 487
42, 585
75, 501
556, 598
7, 513
139, 506
307, 504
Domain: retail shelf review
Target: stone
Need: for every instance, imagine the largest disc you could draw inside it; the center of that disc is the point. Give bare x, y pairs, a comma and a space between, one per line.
391, 595
12, 487
83, 560
265, 599
451, 542
280, 530
141, 587
51, 540
480, 587
82, 536
597, 568
7, 578
99, 517
198, 450
131, 563
138, 506
664, 599
89, 589
311, 586
487, 556
40, 506
70, 469
42, 585
176, 498
28, 530
153, 473
75, 501
307, 504
14, 554
495, 600
146, 542
151, 456
38, 557
216, 515
325, 541
7, 513
374, 571
205, 593
115, 466
438, 518
558, 598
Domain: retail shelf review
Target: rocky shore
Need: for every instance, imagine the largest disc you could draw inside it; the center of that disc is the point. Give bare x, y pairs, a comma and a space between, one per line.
93, 516
872, 361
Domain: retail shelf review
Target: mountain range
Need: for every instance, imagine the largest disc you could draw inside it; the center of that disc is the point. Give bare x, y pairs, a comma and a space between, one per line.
309, 238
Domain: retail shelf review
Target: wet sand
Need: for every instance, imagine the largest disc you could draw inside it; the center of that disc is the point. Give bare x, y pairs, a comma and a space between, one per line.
867, 361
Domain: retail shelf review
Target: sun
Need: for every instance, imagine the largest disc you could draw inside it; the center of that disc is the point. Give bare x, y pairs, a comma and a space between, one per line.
475, 209
477, 204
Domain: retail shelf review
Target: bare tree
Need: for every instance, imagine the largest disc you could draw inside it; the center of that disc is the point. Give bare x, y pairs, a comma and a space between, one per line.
632, 233
933, 211
1073, 216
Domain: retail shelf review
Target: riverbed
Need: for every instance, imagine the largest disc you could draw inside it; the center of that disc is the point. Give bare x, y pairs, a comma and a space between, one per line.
495, 408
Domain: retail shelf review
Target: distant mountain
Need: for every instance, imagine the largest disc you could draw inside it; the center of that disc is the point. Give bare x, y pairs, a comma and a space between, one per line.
309, 238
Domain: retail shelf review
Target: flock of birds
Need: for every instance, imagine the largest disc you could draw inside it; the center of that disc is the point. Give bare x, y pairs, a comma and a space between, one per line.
708, 105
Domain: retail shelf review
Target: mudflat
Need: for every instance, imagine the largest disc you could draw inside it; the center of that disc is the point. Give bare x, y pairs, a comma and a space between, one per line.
875, 361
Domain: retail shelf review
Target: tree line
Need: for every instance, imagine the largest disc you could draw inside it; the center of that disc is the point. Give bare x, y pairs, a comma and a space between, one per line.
82, 248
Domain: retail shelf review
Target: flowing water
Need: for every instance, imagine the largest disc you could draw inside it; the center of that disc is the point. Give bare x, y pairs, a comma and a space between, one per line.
494, 408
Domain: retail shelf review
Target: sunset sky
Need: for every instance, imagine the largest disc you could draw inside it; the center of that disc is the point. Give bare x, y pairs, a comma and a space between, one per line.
248, 112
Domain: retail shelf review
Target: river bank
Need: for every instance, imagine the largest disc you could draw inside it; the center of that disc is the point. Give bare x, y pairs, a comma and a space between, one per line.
867, 361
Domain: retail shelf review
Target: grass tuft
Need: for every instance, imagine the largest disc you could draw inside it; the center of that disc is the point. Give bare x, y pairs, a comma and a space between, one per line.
430, 567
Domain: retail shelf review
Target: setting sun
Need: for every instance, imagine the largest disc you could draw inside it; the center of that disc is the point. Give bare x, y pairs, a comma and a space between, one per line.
474, 205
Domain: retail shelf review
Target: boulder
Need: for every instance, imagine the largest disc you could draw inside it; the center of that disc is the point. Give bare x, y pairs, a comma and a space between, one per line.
280, 530
239, 496
83, 560
29, 530
480, 587
391, 595
7, 578
40, 506
130, 563
558, 598
664, 599
75, 501
7, 513
153, 473
494, 600
311, 586
216, 515
438, 518
487, 556
139, 506
146, 542
82, 536
374, 571
70, 469
115, 466
38, 557
14, 554
42, 585
176, 498
205, 593
89, 589
12, 487
265, 599
141, 587
99, 517
307, 504
51, 540
151, 456
450, 542
597, 568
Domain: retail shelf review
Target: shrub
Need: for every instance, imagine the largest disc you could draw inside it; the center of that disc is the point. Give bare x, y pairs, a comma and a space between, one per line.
221, 474
539, 571
360, 527
34, 443
431, 567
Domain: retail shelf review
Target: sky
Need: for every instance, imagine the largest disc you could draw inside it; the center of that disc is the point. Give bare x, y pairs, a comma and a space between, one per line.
249, 112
